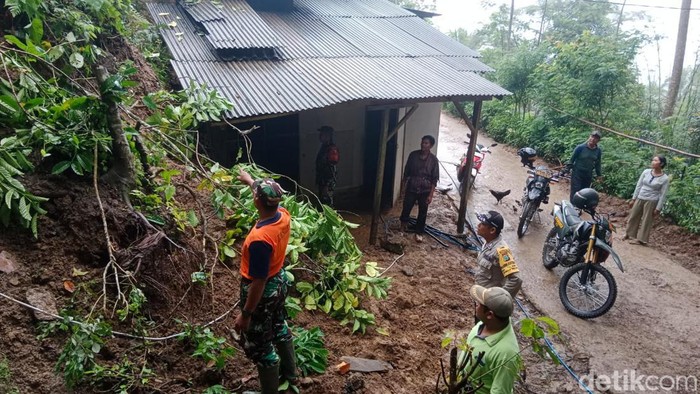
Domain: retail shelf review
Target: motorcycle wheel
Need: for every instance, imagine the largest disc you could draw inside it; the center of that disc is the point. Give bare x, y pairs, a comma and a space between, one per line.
549, 250
589, 297
529, 209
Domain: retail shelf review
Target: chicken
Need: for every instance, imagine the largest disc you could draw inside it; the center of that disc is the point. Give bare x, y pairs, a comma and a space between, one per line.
499, 195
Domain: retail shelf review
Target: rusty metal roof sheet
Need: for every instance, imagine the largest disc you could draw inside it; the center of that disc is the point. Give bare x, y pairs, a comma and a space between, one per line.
330, 52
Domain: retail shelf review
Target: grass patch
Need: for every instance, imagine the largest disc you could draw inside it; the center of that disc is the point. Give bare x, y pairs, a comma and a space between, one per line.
6, 385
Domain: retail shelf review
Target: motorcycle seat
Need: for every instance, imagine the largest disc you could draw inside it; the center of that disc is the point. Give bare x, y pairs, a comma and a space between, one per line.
570, 215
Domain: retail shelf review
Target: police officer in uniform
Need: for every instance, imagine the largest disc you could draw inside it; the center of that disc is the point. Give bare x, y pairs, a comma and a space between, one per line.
496, 265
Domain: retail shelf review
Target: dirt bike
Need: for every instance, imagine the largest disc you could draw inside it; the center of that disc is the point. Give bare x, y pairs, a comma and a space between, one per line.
586, 289
536, 193
479, 154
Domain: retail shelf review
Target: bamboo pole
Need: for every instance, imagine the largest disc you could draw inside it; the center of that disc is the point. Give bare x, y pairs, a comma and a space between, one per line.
668, 148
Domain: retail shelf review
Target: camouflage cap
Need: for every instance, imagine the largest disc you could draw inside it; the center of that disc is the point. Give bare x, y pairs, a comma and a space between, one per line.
269, 191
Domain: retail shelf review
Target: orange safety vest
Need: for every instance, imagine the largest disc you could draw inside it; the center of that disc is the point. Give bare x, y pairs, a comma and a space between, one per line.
275, 234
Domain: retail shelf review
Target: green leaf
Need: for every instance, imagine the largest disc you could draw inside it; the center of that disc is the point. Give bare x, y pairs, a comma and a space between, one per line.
192, 218
169, 192
24, 209
76, 60
14, 40
304, 287
527, 326
552, 325
70, 37
228, 251
356, 326
150, 104
8, 197
8, 105
338, 303
60, 167
36, 30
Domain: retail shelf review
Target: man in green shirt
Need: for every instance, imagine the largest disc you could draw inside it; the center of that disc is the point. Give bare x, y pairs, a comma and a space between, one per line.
494, 336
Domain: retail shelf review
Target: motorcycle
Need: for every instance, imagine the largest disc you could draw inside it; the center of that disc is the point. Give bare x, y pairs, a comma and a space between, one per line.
536, 193
480, 152
587, 289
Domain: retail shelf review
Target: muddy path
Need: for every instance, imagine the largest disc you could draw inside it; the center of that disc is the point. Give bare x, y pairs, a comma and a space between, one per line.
651, 329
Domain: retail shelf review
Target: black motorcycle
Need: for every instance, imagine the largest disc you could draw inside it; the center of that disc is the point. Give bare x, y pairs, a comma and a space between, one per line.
586, 289
536, 193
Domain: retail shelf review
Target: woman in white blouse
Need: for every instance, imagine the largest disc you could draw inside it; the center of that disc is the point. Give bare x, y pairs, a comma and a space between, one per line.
647, 200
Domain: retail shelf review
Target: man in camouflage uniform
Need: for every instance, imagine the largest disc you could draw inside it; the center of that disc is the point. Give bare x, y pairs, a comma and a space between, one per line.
326, 172
496, 265
263, 291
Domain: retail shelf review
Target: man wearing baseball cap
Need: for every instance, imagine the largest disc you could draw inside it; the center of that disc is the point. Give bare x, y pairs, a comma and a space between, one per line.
496, 264
494, 336
585, 159
264, 285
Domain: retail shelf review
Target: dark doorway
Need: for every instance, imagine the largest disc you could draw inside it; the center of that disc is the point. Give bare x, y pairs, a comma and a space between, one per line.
373, 124
275, 145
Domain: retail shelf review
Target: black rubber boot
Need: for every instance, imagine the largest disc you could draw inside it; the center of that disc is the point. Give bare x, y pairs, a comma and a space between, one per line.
288, 363
269, 378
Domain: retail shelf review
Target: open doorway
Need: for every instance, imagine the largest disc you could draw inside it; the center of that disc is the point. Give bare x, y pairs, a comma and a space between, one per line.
373, 124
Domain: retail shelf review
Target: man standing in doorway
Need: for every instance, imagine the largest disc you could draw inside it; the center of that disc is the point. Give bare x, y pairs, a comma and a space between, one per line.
261, 324
585, 159
496, 264
420, 176
326, 165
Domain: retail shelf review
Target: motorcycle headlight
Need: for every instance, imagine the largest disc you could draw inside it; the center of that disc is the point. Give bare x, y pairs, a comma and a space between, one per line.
608, 237
539, 184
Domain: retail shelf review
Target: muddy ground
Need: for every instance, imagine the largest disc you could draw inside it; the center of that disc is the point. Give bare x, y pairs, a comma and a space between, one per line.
650, 329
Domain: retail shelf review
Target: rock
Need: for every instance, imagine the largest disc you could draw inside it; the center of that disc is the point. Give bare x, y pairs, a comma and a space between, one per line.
393, 244
408, 271
43, 300
14, 281
7, 262
366, 365
306, 382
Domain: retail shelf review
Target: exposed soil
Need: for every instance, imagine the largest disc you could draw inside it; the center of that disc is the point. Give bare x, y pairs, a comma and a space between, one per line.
649, 329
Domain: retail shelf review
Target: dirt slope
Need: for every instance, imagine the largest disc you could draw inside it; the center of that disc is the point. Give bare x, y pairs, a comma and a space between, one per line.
651, 327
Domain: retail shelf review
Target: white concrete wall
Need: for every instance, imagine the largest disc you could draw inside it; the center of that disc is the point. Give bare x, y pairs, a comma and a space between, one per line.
348, 120
425, 121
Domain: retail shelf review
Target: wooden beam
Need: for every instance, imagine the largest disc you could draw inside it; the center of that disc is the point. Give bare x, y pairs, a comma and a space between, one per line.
401, 123
381, 159
476, 114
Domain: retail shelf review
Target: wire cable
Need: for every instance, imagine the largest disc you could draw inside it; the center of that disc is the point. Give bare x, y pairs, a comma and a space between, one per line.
556, 354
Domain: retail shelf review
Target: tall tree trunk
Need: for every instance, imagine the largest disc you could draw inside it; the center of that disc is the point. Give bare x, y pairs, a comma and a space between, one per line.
510, 23
678, 59
122, 173
544, 13
619, 18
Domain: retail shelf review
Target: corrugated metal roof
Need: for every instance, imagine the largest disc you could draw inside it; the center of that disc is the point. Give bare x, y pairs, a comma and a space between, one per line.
350, 52
272, 87
232, 24
351, 8
432, 36
181, 36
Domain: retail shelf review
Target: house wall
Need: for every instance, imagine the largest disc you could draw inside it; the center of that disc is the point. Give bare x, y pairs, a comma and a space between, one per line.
348, 120
425, 121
